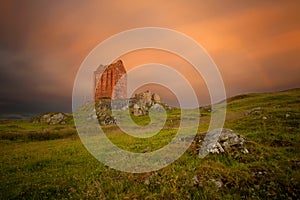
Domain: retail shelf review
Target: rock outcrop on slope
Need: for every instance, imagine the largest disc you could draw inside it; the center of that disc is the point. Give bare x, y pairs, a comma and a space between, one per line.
51, 118
221, 142
138, 105
142, 102
216, 142
102, 112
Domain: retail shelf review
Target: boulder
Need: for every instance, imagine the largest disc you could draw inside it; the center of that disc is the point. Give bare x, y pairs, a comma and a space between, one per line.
144, 98
142, 102
58, 118
157, 108
137, 111
51, 118
155, 98
254, 111
221, 141
108, 120
217, 182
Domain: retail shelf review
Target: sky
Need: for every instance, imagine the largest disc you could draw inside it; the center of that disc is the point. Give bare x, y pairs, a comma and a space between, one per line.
255, 44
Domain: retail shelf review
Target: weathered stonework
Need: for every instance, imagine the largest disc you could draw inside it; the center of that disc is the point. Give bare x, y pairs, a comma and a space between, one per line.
110, 81
142, 102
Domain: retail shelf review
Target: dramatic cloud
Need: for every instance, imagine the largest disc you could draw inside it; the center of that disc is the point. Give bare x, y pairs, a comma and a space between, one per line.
255, 44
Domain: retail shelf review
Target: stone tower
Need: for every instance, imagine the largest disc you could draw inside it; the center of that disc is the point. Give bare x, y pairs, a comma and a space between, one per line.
108, 81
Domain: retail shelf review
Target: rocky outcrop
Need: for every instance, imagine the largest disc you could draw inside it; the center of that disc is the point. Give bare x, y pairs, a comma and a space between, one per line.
144, 101
139, 105
102, 112
217, 142
137, 110
155, 98
51, 118
254, 111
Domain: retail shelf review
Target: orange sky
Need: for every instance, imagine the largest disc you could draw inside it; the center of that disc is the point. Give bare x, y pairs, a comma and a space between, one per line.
255, 44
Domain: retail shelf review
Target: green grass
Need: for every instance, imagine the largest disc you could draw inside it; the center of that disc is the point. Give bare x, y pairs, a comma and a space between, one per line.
27, 131
49, 161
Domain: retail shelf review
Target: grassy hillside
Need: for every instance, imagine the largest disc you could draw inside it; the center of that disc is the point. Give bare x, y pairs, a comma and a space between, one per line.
49, 161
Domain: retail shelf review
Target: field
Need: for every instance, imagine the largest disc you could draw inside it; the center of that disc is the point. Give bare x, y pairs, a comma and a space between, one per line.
40, 161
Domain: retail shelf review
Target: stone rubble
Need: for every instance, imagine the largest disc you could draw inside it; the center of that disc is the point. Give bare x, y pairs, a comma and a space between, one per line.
51, 118
139, 105
220, 141
254, 111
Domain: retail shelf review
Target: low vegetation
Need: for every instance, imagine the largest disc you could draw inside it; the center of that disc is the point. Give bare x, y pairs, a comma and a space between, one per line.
49, 161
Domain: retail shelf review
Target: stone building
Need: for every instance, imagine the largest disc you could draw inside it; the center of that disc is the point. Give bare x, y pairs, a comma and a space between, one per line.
110, 81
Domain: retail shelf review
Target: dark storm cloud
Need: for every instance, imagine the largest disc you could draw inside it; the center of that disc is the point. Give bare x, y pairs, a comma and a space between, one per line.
30, 76
20, 91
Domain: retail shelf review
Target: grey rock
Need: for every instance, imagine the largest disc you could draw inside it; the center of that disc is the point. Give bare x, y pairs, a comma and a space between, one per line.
144, 98
158, 108
57, 118
143, 102
137, 110
220, 141
155, 98
168, 107
217, 182
139, 105
254, 111
147, 181
94, 116
195, 180
51, 118
124, 108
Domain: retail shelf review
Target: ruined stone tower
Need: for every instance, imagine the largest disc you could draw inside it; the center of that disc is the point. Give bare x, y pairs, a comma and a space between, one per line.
108, 81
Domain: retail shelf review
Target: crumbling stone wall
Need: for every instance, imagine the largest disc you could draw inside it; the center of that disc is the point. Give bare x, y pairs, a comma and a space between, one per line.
108, 81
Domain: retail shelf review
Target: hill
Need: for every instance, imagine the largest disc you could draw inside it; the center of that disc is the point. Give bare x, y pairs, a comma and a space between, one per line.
41, 160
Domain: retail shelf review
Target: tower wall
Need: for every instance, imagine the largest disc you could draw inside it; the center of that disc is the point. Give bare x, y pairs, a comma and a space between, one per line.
110, 81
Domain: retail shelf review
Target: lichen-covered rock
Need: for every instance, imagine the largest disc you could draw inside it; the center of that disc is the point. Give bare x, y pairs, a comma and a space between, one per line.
103, 113
108, 120
220, 141
51, 118
254, 111
144, 99
142, 102
58, 118
137, 110
139, 105
157, 108
155, 98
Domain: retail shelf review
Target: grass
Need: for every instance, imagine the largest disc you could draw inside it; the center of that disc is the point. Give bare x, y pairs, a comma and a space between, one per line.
49, 161
27, 131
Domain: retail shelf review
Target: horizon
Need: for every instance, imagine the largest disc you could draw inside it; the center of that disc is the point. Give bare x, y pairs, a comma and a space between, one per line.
28, 116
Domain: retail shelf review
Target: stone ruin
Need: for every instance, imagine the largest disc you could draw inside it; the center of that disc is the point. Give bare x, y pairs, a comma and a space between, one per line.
138, 105
142, 102
110, 81
110, 92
